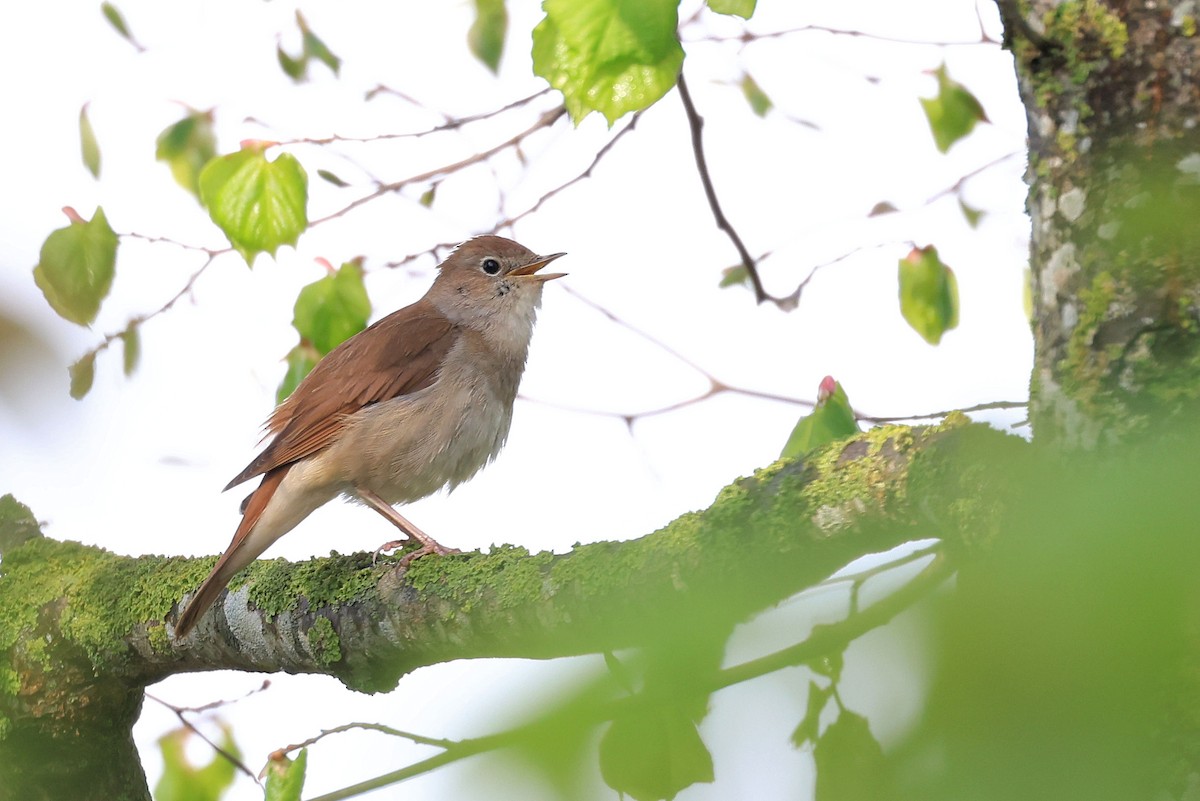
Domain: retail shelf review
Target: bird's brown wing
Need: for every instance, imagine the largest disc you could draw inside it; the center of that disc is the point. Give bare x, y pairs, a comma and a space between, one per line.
400, 354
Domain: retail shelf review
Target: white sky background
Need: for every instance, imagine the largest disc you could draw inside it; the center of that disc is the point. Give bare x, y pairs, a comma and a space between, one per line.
138, 465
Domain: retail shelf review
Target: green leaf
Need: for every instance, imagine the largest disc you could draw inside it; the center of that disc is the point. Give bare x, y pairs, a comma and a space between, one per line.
311, 46
186, 147
653, 752
316, 48
300, 362
76, 266
953, 113
259, 204
810, 728
294, 68
759, 102
182, 781
611, 56
88, 144
285, 777
741, 8
428, 196
487, 32
850, 764
333, 309
131, 342
117, 21
972, 215
83, 373
832, 418
332, 178
734, 276
928, 294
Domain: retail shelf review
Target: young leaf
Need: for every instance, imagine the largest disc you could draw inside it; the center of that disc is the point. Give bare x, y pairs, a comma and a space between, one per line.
186, 147
83, 373
76, 266
88, 144
131, 342
734, 276
294, 68
311, 46
972, 215
117, 21
832, 418
183, 781
487, 32
741, 8
928, 294
652, 753
285, 778
259, 204
332, 178
760, 104
333, 309
611, 56
953, 113
850, 764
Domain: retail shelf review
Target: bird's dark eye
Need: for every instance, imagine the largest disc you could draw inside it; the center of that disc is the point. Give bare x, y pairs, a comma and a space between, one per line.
491, 266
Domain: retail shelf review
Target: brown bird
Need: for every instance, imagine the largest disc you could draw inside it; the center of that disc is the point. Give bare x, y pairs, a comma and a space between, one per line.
418, 401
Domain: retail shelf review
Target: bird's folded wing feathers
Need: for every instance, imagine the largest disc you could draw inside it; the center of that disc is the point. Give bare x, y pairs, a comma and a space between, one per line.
352, 376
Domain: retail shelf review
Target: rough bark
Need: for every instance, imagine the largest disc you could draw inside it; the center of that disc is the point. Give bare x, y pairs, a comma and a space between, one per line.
1112, 94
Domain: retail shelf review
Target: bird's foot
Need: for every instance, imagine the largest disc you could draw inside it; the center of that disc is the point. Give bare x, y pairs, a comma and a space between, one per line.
425, 550
428, 547
388, 546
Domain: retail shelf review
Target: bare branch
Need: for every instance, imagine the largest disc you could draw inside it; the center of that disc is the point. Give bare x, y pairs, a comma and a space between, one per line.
187, 724
587, 173
979, 407
379, 727
696, 124
450, 124
544, 121
748, 36
134, 322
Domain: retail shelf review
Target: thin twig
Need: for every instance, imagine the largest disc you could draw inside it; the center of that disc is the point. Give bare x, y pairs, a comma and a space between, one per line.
379, 727
187, 724
829, 638
749, 36
451, 123
587, 173
957, 186
696, 124
134, 322
979, 407
717, 386
544, 121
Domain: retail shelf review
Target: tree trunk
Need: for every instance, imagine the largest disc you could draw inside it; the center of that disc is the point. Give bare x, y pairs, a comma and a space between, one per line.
1112, 93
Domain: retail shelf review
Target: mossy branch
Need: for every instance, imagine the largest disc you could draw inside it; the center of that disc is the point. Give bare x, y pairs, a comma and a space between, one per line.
77, 622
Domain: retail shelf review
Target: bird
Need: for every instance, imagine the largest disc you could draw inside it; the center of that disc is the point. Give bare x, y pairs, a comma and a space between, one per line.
420, 400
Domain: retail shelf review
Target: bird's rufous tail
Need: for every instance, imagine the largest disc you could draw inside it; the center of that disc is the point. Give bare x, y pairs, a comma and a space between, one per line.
241, 552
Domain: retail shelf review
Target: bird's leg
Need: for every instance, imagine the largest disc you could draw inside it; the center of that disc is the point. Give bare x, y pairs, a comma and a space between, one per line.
428, 544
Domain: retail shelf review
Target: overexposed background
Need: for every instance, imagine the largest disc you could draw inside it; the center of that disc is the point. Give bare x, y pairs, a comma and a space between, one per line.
137, 466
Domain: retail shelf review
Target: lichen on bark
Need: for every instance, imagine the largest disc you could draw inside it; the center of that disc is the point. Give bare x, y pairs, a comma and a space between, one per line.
1112, 103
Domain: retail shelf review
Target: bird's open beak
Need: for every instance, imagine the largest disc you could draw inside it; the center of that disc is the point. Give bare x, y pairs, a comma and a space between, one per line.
532, 268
